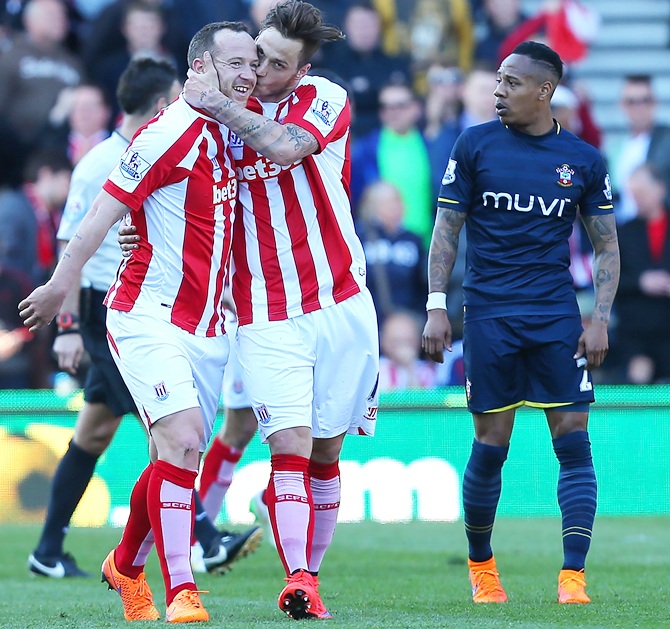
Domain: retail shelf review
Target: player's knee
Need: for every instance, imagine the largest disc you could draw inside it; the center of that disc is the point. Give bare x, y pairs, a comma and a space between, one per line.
94, 443
239, 428
95, 438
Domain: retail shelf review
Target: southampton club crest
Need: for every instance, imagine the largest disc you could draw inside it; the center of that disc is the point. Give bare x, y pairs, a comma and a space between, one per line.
565, 175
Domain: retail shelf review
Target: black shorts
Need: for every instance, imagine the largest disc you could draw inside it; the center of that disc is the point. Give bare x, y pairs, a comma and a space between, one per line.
511, 361
104, 384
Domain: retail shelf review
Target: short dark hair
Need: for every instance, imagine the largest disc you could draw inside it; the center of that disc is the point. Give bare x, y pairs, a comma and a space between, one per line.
144, 7
143, 82
204, 39
53, 159
638, 78
296, 19
542, 55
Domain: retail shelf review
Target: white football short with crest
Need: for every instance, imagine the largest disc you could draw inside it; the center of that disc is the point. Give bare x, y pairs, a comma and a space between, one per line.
165, 368
318, 370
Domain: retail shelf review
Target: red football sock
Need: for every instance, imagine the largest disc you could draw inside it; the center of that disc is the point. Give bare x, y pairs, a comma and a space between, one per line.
137, 540
216, 476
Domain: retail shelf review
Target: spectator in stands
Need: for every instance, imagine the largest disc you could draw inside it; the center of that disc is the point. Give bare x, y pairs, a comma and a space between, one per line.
572, 109
435, 31
143, 27
400, 365
643, 300
258, 9
646, 141
79, 121
15, 344
478, 107
30, 216
443, 101
11, 20
12, 157
107, 35
493, 23
396, 258
35, 69
396, 151
361, 63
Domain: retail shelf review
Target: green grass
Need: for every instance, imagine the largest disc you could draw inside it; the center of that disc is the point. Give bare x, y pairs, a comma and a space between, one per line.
400, 575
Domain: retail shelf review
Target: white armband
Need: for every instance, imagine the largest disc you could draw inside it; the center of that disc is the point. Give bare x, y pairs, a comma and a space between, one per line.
436, 301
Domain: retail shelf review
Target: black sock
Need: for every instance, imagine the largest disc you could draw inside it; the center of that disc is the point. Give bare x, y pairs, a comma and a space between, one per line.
68, 486
204, 530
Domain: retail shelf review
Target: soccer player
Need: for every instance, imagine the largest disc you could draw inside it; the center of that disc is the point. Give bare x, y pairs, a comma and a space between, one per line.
307, 338
516, 183
144, 89
165, 313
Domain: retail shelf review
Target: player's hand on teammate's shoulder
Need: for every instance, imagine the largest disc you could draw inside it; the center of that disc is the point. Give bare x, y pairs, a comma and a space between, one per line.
436, 335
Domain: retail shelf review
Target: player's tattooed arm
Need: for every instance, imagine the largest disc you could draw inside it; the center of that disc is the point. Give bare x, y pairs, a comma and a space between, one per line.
282, 143
443, 248
606, 267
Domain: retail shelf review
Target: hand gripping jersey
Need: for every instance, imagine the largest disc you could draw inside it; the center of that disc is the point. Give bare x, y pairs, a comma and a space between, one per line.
178, 179
295, 248
521, 194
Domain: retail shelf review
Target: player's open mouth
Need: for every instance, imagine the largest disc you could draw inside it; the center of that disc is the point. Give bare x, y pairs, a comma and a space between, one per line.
241, 89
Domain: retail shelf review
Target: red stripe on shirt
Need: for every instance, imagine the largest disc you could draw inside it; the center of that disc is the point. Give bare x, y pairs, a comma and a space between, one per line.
302, 255
337, 250
130, 276
197, 248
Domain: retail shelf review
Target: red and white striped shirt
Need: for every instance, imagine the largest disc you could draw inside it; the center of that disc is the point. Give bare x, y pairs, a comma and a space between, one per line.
178, 179
295, 248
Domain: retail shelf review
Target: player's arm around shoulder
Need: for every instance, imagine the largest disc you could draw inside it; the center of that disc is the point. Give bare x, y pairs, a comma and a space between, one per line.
281, 143
441, 258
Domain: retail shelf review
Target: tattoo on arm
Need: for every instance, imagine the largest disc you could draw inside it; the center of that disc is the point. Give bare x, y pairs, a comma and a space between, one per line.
301, 139
443, 248
606, 267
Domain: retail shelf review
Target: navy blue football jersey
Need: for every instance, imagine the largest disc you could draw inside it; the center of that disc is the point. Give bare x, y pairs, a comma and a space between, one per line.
521, 194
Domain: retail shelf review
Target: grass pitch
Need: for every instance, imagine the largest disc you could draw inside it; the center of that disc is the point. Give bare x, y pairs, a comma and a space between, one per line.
375, 575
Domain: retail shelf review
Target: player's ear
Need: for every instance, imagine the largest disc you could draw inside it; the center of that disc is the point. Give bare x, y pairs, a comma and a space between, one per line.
199, 65
304, 70
546, 90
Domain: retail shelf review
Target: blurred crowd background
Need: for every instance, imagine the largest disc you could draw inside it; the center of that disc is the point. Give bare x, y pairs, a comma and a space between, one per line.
418, 72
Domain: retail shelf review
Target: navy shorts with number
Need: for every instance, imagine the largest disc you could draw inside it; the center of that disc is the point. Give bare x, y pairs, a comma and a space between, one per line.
510, 361
104, 384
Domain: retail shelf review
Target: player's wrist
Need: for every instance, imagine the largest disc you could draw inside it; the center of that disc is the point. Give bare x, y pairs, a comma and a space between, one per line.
70, 331
436, 301
67, 322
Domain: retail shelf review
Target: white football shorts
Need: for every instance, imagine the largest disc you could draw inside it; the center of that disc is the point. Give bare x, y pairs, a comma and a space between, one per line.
318, 370
167, 369
234, 394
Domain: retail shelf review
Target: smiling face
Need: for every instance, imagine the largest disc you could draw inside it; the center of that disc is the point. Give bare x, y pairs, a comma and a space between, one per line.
523, 94
235, 58
278, 71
